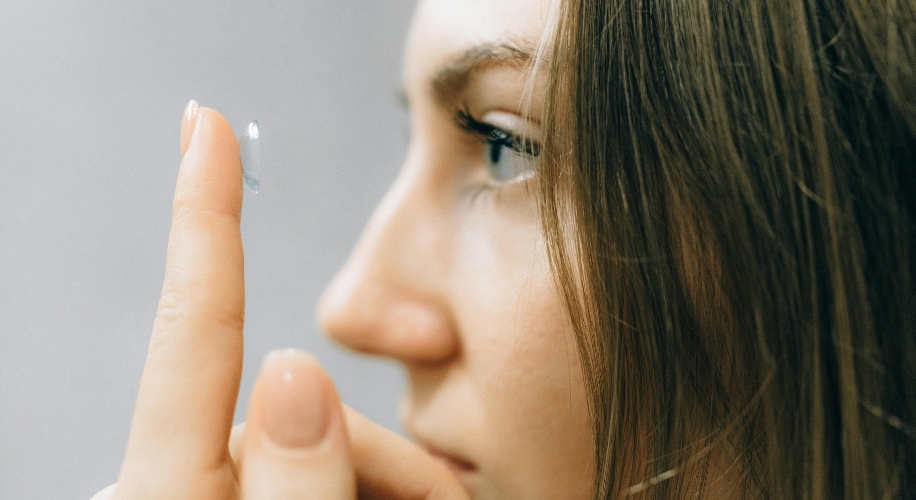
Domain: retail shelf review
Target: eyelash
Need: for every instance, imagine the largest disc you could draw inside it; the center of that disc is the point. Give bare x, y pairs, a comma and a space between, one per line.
495, 135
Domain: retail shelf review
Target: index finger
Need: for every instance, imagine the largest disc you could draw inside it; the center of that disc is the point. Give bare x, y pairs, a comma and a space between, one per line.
389, 466
183, 415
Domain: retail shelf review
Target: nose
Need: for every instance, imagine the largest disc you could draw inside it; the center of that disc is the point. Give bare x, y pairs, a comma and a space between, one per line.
391, 296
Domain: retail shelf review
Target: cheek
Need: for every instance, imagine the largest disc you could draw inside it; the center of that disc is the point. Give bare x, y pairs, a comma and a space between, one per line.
522, 361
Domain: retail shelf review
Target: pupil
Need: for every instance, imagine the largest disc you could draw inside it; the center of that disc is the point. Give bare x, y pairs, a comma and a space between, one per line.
495, 152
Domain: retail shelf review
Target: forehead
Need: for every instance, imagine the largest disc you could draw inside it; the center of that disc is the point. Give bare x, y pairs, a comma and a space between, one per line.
443, 30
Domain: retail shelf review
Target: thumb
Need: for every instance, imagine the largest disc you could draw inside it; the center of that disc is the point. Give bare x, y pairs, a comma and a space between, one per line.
296, 444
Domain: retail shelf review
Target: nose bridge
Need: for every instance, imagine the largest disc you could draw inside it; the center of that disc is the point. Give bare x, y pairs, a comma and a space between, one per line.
390, 298
404, 246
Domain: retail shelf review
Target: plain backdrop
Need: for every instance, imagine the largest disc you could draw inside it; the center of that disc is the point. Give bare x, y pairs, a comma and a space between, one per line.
91, 96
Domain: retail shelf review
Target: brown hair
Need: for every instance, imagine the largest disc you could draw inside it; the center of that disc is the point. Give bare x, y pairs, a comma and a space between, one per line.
729, 196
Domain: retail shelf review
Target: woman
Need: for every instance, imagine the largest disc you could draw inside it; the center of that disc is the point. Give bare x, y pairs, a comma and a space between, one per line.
637, 248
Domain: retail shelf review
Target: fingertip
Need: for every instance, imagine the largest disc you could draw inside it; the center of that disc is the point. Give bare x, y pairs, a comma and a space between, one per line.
190, 119
188, 123
296, 406
296, 437
210, 176
105, 494
207, 132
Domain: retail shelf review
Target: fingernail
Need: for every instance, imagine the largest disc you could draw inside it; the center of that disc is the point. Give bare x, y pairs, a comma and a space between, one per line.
295, 413
188, 124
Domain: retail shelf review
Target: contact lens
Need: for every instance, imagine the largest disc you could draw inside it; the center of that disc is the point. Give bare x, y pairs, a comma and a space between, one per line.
250, 151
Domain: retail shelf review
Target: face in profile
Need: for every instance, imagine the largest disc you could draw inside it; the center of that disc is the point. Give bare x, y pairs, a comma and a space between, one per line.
451, 276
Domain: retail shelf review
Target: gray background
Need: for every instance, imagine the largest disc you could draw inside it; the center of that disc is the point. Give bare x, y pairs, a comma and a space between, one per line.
91, 96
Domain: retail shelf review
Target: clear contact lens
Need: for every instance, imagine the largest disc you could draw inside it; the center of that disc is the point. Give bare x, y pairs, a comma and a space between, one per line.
250, 151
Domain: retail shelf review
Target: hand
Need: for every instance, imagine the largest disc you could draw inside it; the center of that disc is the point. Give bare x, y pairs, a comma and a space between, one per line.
300, 441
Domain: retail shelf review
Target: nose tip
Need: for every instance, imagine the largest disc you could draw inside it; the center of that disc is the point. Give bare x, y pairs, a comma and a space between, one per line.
374, 318
392, 297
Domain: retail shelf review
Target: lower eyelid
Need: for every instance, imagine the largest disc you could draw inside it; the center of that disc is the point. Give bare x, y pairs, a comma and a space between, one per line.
520, 178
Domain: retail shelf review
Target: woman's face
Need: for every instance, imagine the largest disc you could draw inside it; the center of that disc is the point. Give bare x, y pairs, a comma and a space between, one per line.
451, 276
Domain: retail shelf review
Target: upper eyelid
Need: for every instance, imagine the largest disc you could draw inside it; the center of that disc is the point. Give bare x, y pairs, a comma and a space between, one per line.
466, 121
488, 132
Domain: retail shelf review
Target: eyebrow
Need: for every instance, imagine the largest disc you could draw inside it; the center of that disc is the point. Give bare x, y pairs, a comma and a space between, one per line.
450, 82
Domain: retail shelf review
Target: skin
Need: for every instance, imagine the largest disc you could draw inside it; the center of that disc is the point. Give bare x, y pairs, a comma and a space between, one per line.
300, 441
450, 278
458, 288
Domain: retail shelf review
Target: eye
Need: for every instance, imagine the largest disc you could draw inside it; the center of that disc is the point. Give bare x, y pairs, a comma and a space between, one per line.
507, 160
508, 156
